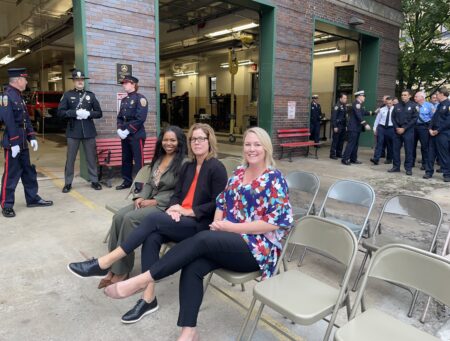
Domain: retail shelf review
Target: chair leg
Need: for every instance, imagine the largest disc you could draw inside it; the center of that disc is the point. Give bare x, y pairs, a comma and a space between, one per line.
361, 271
292, 252
347, 306
363, 304
208, 280
106, 237
300, 261
257, 317
425, 311
285, 265
242, 287
413, 303
247, 318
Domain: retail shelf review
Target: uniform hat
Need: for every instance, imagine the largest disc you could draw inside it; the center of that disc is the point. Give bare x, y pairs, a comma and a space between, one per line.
129, 78
77, 74
17, 72
360, 93
315, 96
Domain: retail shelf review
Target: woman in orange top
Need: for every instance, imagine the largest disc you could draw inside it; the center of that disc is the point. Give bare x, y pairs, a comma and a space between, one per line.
191, 210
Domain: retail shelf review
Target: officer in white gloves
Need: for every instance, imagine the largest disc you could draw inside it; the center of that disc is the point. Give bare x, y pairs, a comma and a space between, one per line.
18, 132
80, 107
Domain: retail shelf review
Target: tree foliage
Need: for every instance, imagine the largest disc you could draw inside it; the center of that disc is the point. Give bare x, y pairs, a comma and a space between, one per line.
424, 59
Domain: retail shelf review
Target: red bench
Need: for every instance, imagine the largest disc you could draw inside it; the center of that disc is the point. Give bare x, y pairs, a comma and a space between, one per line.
109, 154
289, 134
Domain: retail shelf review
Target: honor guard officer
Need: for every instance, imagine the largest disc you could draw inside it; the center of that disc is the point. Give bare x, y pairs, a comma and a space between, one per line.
130, 128
404, 118
338, 124
80, 107
356, 124
316, 116
439, 131
19, 130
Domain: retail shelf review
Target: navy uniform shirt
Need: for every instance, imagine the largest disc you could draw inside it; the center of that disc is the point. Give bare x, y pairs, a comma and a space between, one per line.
132, 115
338, 116
405, 115
441, 118
18, 125
356, 118
316, 112
70, 102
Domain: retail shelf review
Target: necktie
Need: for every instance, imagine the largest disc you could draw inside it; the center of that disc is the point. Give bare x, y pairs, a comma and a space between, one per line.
388, 116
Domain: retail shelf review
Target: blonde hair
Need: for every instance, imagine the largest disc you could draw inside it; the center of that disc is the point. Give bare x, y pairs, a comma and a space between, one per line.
209, 132
266, 142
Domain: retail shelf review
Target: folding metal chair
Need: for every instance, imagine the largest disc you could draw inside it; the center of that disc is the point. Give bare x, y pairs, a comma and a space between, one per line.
303, 298
403, 265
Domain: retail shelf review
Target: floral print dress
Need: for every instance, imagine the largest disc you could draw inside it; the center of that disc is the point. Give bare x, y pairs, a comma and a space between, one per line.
265, 198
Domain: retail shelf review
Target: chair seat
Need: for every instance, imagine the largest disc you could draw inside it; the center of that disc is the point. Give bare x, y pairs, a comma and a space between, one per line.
374, 243
297, 296
354, 227
298, 212
113, 207
374, 325
237, 277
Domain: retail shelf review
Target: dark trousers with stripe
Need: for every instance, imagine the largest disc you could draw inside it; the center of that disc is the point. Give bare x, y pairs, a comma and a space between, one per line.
439, 148
351, 149
338, 142
132, 150
18, 168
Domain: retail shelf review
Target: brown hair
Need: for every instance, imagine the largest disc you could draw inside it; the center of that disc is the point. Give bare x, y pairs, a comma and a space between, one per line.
209, 132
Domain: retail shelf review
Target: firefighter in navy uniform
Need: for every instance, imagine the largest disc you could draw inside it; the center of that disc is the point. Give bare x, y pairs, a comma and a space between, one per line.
80, 107
130, 128
404, 118
18, 131
338, 126
316, 116
356, 124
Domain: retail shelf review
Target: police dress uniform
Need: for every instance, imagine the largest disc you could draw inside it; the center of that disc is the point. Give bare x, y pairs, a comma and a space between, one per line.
80, 130
439, 146
339, 121
354, 129
316, 114
404, 116
426, 111
131, 118
18, 131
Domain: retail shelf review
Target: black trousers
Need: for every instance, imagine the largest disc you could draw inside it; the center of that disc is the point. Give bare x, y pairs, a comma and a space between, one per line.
439, 148
421, 134
314, 130
196, 257
406, 140
385, 137
156, 229
132, 150
351, 149
15, 169
338, 142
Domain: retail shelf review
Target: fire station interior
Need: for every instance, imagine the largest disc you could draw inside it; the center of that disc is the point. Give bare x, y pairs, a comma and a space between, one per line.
336, 57
198, 41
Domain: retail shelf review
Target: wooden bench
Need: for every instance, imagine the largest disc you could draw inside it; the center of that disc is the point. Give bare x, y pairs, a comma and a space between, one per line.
289, 134
109, 154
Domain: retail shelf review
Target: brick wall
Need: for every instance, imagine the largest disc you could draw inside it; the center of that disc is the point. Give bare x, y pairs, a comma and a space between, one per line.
120, 31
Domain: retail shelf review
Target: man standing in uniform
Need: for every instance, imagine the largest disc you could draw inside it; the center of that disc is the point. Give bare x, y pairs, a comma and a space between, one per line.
404, 118
18, 131
356, 123
439, 130
338, 124
316, 116
426, 111
130, 128
383, 129
80, 107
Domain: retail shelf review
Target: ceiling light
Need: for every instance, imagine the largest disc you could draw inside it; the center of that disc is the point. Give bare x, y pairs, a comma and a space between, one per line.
234, 29
218, 33
244, 27
240, 63
188, 73
55, 79
326, 51
6, 60
24, 51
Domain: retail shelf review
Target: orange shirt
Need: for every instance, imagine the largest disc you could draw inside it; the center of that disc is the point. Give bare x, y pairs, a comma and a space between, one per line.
189, 200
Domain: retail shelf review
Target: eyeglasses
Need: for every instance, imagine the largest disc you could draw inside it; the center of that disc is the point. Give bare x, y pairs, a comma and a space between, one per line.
198, 139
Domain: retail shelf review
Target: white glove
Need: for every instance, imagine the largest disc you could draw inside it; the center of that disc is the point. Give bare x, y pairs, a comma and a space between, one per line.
82, 114
86, 114
367, 127
79, 114
121, 134
15, 150
34, 145
126, 132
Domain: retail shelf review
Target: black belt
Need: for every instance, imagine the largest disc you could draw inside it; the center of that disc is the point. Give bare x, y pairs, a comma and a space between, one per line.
423, 124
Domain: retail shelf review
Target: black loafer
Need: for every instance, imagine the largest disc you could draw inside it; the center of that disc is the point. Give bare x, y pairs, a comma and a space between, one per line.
88, 268
427, 176
141, 309
96, 186
40, 203
346, 162
66, 188
356, 162
333, 157
408, 172
8, 212
123, 186
375, 162
394, 170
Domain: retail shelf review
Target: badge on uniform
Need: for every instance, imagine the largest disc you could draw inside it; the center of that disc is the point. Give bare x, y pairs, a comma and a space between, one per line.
143, 101
336, 107
358, 106
417, 108
132, 102
409, 108
88, 97
5, 101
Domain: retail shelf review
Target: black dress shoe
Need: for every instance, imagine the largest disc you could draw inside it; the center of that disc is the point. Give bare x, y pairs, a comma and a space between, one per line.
40, 203
427, 176
88, 268
356, 162
375, 162
333, 157
66, 188
345, 162
387, 162
409, 172
8, 212
123, 185
422, 167
96, 186
394, 170
141, 309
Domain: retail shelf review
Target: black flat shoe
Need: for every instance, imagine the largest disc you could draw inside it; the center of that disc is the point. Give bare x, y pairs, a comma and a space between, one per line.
393, 170
356, 162
408, 172
8, 212
375, 162
141, 309
426, 176
96, 186
88, 268
66, 188
123, 186
346, 162
333, 157
40, 203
